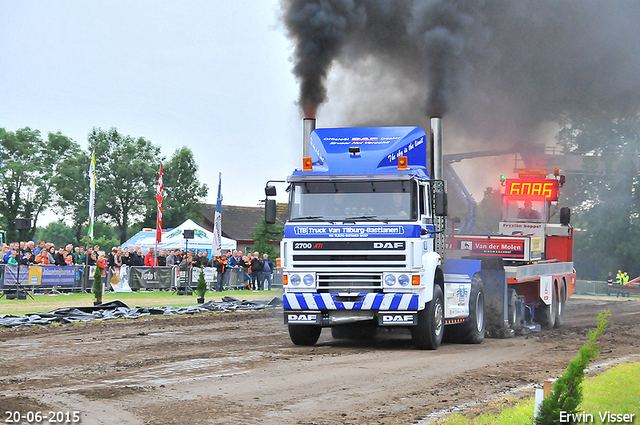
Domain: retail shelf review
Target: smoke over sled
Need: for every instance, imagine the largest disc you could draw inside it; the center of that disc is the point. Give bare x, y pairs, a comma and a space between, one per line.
514, 64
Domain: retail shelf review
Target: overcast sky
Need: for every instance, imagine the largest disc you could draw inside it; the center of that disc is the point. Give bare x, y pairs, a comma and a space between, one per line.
215, 76
212, 75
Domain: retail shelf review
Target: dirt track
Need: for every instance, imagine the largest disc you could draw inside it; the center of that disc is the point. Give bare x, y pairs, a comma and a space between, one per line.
242, 368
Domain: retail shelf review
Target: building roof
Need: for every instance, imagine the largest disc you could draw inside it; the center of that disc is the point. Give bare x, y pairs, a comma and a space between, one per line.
239, 222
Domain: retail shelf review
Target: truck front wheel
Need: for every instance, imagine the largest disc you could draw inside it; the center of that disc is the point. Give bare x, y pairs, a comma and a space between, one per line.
427, 334
304, 334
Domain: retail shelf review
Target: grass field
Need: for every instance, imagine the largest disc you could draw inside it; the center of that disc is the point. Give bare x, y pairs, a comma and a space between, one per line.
615, 391
43, 303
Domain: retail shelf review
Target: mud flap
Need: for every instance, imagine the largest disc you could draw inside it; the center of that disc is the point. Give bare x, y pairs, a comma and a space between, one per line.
496, 300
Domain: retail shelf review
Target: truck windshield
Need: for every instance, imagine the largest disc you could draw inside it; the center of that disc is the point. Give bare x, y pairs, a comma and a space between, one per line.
523, 210
365, 200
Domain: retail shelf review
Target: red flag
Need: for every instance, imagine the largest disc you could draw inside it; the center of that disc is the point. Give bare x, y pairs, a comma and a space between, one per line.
159, 199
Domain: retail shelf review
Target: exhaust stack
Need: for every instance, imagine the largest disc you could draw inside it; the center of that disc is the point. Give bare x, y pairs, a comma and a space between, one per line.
436, 163
308, 125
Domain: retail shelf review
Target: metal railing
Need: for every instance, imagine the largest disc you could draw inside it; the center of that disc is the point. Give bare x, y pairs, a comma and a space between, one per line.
79, 278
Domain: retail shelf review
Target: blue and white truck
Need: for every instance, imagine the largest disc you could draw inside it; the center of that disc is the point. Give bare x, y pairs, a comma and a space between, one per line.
365, 246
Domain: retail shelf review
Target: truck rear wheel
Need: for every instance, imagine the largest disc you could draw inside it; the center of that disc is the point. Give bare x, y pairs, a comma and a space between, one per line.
304, 334
546, 314
472, 331
560, 309
427, 334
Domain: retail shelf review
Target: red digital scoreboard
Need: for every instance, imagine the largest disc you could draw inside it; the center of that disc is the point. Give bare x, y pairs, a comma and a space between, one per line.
534, 189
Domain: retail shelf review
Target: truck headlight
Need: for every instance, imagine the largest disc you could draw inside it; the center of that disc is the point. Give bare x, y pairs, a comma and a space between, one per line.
308, 280
295, 280
389, 280
404, 280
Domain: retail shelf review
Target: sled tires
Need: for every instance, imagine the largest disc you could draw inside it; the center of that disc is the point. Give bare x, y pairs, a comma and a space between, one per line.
512, 307
304, 334
561, 302
546, 314
427, 334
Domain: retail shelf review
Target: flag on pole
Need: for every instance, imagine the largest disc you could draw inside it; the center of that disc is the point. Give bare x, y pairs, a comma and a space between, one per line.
217, 221
92, 195
159, 199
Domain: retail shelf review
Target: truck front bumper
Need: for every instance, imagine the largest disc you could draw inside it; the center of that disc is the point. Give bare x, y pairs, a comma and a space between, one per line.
343, 317
331, 309
346, 301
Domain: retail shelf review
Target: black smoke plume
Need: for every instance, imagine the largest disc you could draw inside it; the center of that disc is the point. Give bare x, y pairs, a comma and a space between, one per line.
514, 63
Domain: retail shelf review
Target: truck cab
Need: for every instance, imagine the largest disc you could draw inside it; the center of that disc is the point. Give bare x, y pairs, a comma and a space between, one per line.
363, 244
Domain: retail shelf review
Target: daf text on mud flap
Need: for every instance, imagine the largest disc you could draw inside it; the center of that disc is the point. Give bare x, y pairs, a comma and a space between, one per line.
306, 318
396, 319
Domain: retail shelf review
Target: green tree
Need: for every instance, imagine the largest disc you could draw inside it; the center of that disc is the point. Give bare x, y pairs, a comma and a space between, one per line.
201, 289
266, 238
57, 232
566, 393
29, 164
72, 189
605, 204
60, 234
97, 285
183, 193
126, 176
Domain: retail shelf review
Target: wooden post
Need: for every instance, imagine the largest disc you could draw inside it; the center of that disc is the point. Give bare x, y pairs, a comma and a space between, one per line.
547, 387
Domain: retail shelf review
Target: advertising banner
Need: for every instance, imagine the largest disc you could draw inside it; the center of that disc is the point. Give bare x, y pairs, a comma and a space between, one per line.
352, 231
150, 277
56, 275
11, 275
42, 275
208, 274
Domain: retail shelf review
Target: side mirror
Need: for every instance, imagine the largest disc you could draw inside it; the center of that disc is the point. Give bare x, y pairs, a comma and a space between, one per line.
270, 211
270, 191
565, 215
441, 207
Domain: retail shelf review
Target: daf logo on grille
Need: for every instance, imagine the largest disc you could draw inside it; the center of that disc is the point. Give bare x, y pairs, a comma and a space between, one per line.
388, 245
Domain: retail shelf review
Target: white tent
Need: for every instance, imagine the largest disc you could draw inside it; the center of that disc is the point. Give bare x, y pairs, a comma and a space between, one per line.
144, 239
202, 239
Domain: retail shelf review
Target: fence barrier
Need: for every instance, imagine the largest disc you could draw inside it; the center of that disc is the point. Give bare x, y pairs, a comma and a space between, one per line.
39, 278
591, 287
79, 278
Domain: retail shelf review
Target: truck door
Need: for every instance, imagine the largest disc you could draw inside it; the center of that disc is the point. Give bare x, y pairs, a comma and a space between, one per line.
425, 218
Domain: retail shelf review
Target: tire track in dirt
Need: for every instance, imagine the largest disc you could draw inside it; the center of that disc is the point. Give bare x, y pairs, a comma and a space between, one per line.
242, 368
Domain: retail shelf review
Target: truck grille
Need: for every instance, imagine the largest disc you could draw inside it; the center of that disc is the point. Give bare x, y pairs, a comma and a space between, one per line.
343, 260
349, 282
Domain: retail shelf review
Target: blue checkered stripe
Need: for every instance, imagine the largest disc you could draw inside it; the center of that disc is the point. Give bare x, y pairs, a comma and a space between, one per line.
324, 301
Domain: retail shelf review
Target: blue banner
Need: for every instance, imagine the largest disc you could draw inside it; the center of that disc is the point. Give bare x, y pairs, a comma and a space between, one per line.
352, 231
55, 275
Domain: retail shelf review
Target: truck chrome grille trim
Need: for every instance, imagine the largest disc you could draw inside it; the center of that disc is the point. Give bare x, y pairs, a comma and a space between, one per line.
349, 257
347, 265
330, 301
349, 282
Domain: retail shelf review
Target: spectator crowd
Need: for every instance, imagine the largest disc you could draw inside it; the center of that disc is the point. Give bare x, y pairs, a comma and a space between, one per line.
255, 271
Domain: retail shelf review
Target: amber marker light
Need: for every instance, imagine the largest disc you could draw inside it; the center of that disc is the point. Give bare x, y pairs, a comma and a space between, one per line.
415, 280
402, 163
306, 164
285, 279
